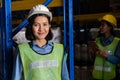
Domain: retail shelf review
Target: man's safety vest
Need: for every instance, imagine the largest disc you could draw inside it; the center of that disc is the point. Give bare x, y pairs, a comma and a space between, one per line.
102, 68
41, 66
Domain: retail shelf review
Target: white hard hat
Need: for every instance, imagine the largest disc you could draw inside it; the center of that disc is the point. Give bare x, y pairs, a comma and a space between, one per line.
40, 9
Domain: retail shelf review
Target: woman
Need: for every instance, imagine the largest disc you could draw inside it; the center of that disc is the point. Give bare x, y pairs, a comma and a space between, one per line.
40, 59
108, 51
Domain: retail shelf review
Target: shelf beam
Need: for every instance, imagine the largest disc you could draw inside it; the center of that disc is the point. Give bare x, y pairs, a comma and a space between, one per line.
81, 18
28, 4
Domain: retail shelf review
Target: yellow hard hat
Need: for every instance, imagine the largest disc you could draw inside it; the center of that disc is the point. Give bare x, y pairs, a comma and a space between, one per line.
109, 18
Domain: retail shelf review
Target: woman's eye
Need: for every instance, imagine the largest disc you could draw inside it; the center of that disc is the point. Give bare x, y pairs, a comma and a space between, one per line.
45, 24
35, 24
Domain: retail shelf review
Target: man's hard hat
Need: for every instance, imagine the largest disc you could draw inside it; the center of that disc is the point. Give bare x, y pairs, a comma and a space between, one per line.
40, 9
109, 18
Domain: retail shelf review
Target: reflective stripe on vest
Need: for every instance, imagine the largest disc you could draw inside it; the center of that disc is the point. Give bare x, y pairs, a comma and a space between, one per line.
47, 63
41, 67
102, 68
107, 69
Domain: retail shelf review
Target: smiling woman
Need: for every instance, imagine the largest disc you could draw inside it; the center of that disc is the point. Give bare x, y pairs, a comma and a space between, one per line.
41, 28
40, 59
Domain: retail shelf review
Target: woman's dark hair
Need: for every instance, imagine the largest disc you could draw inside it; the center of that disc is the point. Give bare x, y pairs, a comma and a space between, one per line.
29, 32
110, 25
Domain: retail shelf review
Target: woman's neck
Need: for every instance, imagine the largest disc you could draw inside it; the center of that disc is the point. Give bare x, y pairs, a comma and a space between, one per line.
41, 43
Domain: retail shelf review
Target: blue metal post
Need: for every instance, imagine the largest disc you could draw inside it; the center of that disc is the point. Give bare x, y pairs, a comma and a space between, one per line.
47, 2
19, 27
6, 39
1, 24
71, 39
68, 24
65, 24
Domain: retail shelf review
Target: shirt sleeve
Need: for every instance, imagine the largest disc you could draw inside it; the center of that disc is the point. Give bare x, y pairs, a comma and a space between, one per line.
17, 68
65, 75
115, 59
118, 50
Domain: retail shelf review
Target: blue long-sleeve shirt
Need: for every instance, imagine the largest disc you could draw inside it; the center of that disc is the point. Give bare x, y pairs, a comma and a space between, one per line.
17, 70
115, 59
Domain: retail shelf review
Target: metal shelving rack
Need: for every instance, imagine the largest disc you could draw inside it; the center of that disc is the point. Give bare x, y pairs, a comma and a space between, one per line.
6, 34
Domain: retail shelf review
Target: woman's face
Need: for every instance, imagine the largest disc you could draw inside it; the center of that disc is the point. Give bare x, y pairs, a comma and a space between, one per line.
41, 27
104, 28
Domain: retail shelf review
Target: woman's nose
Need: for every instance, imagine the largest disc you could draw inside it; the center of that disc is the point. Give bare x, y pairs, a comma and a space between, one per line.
40, 28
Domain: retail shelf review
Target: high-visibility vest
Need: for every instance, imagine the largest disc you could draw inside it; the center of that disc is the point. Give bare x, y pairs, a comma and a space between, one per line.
41, 66
102, 68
